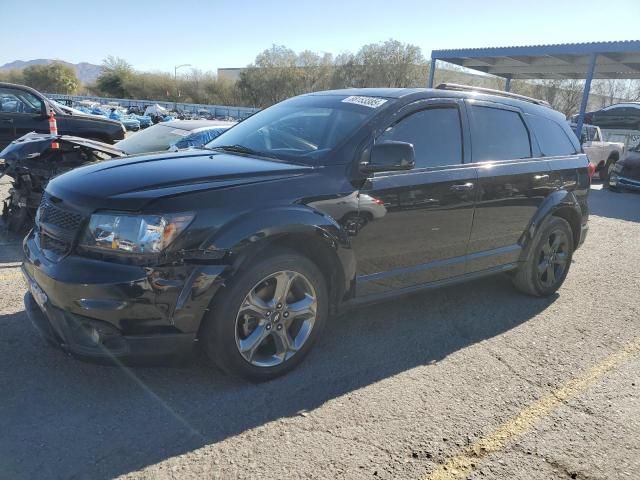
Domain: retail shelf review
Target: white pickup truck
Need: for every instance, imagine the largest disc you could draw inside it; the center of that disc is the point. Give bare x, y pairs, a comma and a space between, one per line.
603, 155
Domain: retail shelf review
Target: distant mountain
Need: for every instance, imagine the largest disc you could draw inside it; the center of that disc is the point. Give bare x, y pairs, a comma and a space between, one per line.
86, 72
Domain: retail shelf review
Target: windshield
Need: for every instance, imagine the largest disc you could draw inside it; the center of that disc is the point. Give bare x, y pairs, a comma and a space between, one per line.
153, 139
303, 128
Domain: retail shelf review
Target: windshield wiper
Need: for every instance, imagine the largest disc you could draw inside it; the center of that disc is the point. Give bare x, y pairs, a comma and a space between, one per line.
237, 148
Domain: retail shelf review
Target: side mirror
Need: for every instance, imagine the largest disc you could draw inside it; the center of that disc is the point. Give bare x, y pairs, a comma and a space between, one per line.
390, 156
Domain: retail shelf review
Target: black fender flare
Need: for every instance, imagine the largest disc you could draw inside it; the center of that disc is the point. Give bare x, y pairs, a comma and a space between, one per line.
557, 200
247, 234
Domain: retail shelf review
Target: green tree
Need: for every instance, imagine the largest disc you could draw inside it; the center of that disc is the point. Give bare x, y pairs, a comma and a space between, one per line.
54, 77
386, 64
116, 72
12, 76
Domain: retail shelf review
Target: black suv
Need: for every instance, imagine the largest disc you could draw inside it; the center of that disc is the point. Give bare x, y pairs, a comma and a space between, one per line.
24, 110
320, 202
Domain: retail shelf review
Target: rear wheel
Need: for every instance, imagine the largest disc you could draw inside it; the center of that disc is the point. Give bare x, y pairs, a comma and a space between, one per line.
266, 321
548, 259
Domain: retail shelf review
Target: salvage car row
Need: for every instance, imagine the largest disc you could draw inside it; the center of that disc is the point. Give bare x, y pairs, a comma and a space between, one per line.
34, 158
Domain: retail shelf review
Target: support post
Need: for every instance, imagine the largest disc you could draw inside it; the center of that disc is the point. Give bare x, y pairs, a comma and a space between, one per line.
507, 84
585, 94
432, 71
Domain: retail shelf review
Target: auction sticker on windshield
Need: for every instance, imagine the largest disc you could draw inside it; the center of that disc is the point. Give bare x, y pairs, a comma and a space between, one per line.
371, 102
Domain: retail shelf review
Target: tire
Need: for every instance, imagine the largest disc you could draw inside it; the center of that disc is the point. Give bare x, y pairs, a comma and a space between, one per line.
605, 171
540, 275
249, 308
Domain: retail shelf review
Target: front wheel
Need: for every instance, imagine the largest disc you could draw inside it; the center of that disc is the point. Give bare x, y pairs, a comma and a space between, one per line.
548, 259
267, 319
605, 172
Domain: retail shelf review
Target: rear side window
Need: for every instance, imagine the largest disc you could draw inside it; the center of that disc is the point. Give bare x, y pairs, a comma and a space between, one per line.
435, 134
552, 138
498, 134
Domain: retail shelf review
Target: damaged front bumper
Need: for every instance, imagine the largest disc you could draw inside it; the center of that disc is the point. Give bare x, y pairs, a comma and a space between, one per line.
105, 312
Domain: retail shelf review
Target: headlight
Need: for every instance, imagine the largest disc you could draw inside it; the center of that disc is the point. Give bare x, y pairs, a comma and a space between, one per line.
617, 167
138, 234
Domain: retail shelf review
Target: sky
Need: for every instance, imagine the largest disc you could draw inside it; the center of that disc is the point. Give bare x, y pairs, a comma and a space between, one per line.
209, 34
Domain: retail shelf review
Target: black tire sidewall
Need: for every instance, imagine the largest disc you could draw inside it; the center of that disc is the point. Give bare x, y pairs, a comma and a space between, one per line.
554, 223
218, 332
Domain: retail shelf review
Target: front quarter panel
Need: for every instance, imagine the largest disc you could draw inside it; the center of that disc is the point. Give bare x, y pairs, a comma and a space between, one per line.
258, 229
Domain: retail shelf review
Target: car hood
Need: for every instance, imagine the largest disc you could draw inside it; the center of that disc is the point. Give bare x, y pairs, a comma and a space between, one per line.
130, 183
630, 165
34, 144
87, 117
632, 158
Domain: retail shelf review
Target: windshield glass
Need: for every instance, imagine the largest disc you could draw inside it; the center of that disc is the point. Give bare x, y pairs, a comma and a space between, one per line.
153, 139
302, 128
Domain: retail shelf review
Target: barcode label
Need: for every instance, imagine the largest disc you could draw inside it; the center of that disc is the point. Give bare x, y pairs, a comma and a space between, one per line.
371, 102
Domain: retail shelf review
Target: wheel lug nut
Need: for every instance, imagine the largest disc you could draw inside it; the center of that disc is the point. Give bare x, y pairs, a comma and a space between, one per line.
279, 306
285, 314
279, 327
268, 326
268, 314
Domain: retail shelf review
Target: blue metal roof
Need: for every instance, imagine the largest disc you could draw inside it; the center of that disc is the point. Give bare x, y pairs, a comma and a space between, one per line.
625, 46
560, 61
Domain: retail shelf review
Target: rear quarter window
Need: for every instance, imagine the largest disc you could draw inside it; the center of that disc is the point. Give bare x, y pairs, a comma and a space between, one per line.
498, 134
551, 137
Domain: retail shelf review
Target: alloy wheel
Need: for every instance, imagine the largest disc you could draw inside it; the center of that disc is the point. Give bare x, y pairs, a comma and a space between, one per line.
552, 258
276, 319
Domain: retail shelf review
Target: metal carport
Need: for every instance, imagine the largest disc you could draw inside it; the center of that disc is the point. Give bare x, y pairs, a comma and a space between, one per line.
599, 60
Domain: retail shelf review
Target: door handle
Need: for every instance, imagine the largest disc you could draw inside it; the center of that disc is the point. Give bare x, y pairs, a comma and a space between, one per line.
7, 120
462, 187
541, 177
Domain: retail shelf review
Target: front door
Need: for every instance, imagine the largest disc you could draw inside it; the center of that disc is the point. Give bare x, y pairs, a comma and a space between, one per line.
21, 112
415, 224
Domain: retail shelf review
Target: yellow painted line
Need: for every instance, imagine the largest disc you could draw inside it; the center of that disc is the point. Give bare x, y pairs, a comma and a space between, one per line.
7, 274
467, 461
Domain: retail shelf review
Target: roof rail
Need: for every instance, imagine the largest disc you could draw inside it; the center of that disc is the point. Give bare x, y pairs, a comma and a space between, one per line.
490, 91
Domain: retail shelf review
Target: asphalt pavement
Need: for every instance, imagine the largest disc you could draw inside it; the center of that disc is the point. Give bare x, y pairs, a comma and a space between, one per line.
474, 381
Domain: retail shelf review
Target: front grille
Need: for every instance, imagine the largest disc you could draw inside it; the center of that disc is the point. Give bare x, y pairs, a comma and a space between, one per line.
54, 245
57, 228
58, 217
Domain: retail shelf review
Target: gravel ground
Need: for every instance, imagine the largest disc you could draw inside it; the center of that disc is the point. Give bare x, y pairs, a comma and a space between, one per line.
473, 382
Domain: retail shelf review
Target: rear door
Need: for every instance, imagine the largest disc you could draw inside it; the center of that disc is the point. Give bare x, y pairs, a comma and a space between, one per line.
21, 112
415, 224
513, 181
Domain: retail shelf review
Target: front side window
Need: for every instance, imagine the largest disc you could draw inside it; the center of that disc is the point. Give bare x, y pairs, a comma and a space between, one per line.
551, 137
435, 134
305, 128
19, 101
498, 134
